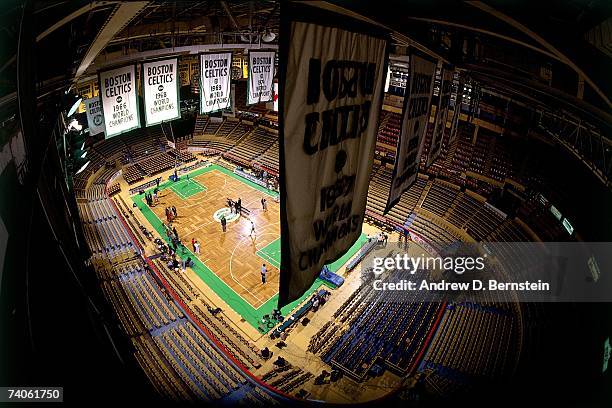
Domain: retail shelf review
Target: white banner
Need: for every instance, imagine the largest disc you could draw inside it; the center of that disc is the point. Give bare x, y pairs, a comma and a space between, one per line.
119, 102
231, 110
261, 76
417, 104
439, 130
161, 91
215, 81
331, 101
95, 119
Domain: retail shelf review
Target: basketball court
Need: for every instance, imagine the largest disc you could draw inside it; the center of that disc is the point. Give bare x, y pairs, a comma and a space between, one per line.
185, 188
229, 262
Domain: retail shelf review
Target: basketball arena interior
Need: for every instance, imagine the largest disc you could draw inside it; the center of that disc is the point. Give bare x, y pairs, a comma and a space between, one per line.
163, 161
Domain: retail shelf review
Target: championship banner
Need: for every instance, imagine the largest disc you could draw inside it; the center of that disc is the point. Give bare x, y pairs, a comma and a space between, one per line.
119, 102
261, 76
215, 82
415, 115
95, 119
160, 84
331, 87
441, 116
231, 110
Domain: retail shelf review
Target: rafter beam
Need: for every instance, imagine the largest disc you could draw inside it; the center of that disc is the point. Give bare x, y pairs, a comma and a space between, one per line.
486, 32
75, 14
121, 16
230, 15
543, 42
156, 29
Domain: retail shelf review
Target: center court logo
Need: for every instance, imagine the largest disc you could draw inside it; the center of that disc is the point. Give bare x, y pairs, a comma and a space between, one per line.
227, 213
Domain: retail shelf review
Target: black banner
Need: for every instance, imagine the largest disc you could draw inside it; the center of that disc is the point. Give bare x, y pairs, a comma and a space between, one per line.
415, 116
332, 81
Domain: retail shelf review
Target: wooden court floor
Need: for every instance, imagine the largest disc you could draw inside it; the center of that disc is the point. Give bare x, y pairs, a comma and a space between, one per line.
232, 255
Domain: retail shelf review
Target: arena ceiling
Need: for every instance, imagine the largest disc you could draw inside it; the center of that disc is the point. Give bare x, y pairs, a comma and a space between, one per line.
516, 39
71, 35
554, 32
525, 35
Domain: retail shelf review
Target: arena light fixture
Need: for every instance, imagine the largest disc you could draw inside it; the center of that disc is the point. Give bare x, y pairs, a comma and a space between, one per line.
75, 125
84, 154
83, 168
268, 36
75, 106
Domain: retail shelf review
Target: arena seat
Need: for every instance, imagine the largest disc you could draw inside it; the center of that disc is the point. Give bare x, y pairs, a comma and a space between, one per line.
479, 355
367, 328
185, 365
252, 146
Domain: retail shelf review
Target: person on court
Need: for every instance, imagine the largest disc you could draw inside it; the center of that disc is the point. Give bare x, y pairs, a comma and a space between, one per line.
252, 233
264, 273
264, 204
223, 223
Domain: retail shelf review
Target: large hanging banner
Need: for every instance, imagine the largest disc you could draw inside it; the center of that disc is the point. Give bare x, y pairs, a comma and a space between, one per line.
231, 109
119, 101
160, 84
441, 115
261, 76
331, 87
215, 82
95, 119
417, 104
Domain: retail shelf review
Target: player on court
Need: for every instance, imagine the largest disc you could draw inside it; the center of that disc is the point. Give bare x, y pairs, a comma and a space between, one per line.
252, 233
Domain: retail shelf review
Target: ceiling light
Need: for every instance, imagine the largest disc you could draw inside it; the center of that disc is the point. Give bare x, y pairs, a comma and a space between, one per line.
75, 107
268, 36
83, 168
74, 124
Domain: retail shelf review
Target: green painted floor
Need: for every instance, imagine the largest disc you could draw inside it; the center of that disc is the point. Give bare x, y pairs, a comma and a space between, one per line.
271, 252
185, 188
